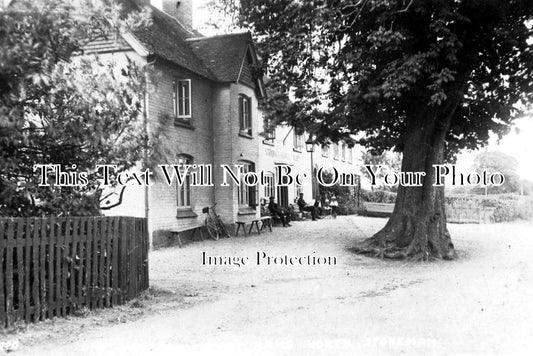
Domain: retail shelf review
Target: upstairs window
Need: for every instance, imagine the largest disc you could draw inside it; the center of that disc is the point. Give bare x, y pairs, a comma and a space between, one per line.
336, 151
325, 150
182, 98
245, 114
350, 155
343, 152
270, 132
298, 141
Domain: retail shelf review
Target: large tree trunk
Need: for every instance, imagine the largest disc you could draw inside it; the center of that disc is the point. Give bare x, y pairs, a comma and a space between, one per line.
417, 228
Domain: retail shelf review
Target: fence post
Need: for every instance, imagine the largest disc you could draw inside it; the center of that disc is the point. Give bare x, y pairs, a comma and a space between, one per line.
9, 271
51, 271
3, 248
50, 266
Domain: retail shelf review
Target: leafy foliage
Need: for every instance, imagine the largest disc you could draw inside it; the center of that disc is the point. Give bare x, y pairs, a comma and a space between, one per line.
494, 161
422, 77
389, 161
378, 196
59, 107
505, 207
225, 15
346, 196
383, 66
526, 187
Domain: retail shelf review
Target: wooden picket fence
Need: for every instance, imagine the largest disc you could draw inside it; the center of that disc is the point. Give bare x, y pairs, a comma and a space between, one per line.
54, 266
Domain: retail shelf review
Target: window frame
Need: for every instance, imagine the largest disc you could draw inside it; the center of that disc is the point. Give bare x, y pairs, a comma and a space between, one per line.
270, 187
184, 191
269, 129
297, 141
245, 115
325, 151
177, 101
247, 195
297, 190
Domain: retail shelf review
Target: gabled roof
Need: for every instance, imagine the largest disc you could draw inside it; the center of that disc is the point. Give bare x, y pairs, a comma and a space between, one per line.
224, 54
218, 58
165, 38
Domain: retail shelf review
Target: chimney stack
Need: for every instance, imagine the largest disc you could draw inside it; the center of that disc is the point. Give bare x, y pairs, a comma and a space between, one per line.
179, 9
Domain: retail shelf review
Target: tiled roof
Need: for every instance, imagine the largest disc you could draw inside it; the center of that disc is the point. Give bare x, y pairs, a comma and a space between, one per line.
166, 37
223, 55
106, 45
217, 58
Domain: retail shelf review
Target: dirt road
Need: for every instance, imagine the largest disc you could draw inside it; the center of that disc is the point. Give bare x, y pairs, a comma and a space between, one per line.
481, 303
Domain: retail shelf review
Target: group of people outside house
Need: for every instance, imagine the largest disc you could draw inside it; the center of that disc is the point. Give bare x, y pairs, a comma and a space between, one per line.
277, 211
315, 209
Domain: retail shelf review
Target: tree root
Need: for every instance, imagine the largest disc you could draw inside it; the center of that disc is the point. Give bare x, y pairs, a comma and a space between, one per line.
390, 250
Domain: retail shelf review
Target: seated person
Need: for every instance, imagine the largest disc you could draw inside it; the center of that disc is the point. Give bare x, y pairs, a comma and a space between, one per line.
334, 204
304, 207
319, 209
276, 211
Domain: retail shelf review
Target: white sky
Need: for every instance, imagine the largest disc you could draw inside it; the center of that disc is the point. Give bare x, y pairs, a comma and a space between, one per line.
200, 16
518, 145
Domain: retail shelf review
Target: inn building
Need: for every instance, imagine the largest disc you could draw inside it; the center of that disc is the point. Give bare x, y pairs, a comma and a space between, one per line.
203, 104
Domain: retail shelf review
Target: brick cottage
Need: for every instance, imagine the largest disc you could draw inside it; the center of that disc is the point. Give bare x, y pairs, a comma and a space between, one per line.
206, 91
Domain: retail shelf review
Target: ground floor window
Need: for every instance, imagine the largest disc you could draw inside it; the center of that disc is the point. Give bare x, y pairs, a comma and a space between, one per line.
283, 193
297, 190
269, 186
184, 191
247, 194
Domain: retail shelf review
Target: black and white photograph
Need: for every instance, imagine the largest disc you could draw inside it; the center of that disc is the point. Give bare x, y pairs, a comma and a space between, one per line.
266, 177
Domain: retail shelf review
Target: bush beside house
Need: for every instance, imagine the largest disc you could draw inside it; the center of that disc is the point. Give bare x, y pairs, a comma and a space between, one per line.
378, 196
492, 208
504, 207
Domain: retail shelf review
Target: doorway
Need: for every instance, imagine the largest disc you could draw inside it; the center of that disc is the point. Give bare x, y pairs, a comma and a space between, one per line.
283, 196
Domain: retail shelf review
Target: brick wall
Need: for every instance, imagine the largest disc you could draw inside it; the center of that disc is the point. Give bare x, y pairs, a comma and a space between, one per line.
245, 148
213, 139
224, 127
230, 147
282, 152
195, 141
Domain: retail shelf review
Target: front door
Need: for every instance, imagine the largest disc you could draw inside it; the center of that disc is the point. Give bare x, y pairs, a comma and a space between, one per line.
283, 196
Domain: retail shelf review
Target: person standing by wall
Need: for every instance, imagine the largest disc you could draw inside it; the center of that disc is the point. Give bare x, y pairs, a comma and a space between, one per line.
334, 204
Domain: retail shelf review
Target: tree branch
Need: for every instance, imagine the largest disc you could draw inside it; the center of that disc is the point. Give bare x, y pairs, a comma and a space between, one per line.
406, 8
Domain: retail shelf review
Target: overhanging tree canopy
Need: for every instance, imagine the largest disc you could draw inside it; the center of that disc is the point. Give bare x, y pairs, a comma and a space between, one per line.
60, 107
425, 77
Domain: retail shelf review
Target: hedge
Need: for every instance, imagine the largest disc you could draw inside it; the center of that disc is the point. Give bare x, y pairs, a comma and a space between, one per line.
507, 207
378, 196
